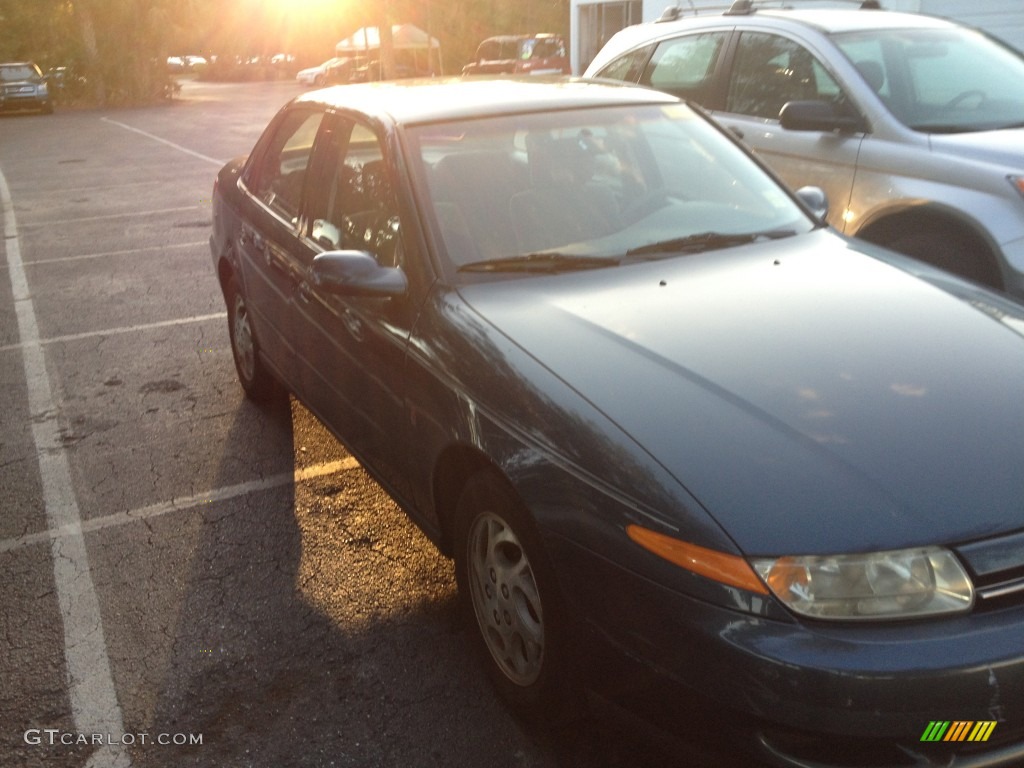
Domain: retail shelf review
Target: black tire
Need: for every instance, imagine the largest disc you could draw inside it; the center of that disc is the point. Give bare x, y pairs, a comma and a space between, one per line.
950, 249
513, 610
259, 384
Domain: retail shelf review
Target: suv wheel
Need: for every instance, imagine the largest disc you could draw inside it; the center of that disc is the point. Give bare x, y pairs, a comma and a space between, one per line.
951, 249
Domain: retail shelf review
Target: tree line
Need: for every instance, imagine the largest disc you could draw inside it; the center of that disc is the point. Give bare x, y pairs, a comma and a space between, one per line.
118, 49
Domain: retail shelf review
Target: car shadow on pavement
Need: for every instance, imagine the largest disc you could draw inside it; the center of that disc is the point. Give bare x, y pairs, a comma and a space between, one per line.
315, 625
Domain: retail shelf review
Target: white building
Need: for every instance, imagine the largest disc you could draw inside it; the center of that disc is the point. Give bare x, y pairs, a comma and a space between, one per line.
592, 22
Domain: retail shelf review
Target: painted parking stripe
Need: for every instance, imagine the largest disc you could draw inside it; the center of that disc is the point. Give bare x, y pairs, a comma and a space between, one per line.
114, 331
109, 216
182, 504
178, 147
110, 254
94, 705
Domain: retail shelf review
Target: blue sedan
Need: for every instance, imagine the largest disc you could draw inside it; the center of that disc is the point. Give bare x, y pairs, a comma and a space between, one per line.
689, 448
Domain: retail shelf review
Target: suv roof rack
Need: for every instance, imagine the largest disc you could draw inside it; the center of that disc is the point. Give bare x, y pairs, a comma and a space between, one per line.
748, 7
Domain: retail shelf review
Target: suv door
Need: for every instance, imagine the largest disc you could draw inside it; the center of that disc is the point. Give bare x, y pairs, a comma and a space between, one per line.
274, 185
767, 71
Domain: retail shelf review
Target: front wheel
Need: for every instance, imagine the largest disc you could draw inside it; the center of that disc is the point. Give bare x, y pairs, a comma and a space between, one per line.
515, 612
949, 249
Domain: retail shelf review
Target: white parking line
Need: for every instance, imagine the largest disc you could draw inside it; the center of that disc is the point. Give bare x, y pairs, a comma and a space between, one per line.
109, 216
178, 147
180, 505
37, 342
94, 705
124, 252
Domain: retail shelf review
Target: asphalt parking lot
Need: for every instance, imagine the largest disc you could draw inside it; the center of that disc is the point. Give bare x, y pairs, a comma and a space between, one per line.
191, 580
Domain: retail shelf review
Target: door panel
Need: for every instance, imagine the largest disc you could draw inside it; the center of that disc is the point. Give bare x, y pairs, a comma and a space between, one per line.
351, 349
274, 189
767, 72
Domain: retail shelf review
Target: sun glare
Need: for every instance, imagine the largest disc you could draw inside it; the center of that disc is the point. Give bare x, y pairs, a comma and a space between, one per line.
299, 7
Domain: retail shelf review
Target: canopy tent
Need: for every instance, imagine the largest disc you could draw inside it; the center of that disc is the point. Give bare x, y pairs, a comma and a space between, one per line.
419, 47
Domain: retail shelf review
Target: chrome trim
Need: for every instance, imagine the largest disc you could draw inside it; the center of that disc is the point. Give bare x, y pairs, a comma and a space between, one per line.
1001, 590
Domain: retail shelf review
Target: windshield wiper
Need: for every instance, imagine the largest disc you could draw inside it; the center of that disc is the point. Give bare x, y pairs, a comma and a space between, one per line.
707, 241
546, 261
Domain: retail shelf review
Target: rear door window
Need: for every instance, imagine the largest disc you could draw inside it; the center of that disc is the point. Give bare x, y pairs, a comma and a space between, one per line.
685, 66
280, 178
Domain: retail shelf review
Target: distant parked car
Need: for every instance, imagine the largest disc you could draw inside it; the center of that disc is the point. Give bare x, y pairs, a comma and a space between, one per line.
185, 63
913, 125
23, 86
541, 54
338, 69
64, 83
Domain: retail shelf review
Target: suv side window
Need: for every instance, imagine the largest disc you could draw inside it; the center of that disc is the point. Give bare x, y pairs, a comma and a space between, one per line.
686, 65
770, 70
356, 208
280, 177
629, 67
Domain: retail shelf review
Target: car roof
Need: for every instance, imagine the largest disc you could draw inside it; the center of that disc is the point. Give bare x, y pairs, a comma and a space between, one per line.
442, 99
826, 21
831, 21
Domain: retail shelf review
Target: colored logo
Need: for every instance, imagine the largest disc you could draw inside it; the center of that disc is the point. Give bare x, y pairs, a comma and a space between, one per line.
958, 730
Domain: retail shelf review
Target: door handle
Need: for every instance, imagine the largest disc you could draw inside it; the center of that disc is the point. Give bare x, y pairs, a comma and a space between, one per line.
736, 132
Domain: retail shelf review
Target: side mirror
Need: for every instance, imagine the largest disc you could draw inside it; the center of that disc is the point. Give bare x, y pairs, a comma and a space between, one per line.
817, 116
815, 199
356, 273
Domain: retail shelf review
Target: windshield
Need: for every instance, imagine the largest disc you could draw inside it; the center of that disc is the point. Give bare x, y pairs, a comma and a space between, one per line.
17, 72
564, 190
941, 81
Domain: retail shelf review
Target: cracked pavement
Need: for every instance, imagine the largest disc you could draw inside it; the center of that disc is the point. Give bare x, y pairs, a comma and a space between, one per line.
254, 586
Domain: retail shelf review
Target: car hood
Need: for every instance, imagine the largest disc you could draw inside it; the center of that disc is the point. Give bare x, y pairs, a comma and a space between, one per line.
813, 399
1000, 147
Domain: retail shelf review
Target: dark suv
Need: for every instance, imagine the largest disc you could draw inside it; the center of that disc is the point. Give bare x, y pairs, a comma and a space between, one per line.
913, 125
22, 86
541, 54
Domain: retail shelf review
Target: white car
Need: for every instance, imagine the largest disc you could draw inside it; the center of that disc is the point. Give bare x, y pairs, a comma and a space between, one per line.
323, 73
913, 125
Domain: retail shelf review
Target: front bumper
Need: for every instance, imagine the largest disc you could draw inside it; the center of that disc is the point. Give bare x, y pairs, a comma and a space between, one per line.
803, 694
12, 102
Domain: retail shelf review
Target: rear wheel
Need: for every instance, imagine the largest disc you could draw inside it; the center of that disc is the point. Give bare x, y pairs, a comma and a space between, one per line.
513, 608
259, 384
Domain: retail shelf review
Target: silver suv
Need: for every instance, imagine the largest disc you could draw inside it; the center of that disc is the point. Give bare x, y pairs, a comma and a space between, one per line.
913, 125
23, 86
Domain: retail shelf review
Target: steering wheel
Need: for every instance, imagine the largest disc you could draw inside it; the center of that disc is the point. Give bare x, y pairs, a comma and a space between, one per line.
973, 93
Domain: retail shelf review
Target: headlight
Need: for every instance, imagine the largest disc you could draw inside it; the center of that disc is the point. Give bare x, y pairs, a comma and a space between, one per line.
902, 584
1017, 182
